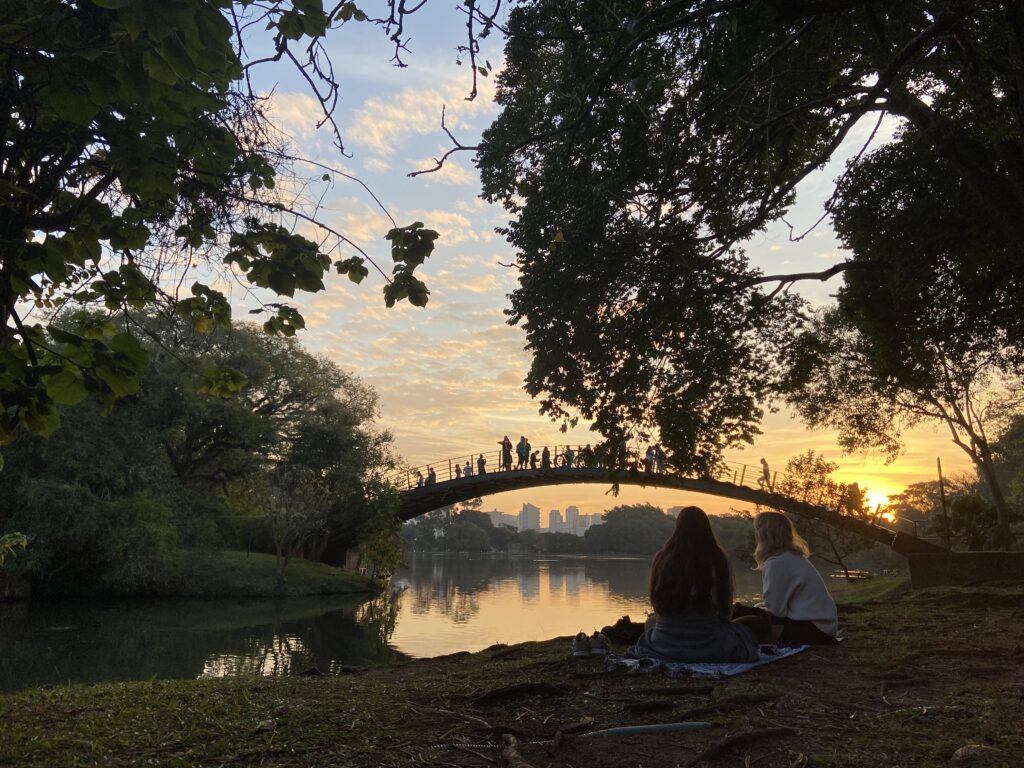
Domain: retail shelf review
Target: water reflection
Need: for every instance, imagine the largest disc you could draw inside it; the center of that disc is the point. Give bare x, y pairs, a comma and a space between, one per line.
92, 641
442, 604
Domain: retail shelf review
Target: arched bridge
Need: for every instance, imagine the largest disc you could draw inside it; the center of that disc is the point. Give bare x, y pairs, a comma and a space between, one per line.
422, 494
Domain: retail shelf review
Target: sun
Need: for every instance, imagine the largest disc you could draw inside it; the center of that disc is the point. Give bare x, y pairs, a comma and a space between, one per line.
877, 501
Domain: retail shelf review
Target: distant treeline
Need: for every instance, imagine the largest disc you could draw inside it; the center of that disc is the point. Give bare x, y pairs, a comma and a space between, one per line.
632, 529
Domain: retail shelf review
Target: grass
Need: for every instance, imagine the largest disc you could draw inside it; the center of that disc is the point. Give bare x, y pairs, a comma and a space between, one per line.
922, 674
216, 573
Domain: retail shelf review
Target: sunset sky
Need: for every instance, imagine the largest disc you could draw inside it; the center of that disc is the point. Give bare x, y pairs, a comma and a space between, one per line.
450, 375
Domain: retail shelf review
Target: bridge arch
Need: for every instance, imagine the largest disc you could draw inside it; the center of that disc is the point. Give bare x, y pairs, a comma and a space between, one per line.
737, 482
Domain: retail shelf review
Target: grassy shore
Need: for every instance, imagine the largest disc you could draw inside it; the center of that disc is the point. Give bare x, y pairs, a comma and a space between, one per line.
219, 573
921, 675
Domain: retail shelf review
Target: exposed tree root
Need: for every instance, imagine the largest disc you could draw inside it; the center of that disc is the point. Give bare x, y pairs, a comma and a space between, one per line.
522, 689
736, 740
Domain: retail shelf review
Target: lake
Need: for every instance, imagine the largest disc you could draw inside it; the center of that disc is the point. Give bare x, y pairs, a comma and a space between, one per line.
439, 604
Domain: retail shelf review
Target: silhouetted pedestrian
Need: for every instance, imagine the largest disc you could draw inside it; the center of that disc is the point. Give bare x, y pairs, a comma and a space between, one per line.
659, 459
545, 458
569, 457
522, 452
481, 464
458, 471
431, 477
467, 471
419, 479
649, 459
505, 462
765, 481
533, 460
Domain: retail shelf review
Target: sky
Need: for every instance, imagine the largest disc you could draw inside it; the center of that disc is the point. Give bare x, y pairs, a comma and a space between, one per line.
450, 376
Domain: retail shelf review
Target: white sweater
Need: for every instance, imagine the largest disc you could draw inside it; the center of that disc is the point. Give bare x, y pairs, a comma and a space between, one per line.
794, 589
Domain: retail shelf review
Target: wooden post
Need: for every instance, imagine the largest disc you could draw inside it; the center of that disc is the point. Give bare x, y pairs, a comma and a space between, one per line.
942, 496
743, 474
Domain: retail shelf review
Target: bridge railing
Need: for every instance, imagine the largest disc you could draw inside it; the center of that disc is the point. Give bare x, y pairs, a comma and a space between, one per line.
566, 457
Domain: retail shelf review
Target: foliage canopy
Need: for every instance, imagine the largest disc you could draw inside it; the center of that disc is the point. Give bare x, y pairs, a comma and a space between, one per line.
639, 146
134, 151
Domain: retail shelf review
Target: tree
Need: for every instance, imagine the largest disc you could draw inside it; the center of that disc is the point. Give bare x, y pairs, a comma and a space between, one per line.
109, 500
927, 333
807, 478
465, 535
135, 149
10, 543
637, 150
294, 505
631, 529
1008, 454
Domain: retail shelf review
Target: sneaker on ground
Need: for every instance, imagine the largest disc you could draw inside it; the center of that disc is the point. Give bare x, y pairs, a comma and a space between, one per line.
598, 644
581, 645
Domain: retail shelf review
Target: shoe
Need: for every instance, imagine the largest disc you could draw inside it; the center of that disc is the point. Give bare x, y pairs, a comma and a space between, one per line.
581, 645
599, 645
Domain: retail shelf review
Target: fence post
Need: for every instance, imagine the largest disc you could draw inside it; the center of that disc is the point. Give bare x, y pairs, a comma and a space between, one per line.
743, 474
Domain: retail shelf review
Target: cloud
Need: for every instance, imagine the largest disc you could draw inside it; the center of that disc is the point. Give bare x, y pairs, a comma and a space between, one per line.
296, 114
453, 228
449, 173
381, 125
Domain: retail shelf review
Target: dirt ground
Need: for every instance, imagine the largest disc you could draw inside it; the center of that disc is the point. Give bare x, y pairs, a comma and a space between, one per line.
921, 675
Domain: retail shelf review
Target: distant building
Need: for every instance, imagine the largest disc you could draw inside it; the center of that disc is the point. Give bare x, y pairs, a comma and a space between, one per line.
572, 520
674, 511
529, 518
555, 521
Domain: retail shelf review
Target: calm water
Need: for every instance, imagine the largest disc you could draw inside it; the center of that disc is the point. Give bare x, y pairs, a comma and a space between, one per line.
440, 605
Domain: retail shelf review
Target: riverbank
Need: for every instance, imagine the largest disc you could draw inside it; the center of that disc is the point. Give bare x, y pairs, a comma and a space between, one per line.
221, 573
228, 573
921, 675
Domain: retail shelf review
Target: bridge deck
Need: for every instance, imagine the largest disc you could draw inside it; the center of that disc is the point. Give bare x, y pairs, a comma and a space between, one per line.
420, 500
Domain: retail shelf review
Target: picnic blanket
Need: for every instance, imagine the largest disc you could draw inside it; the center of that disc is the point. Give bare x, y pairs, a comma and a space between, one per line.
767, 654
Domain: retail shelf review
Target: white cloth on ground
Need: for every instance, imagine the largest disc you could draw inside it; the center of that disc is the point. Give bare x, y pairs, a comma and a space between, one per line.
766, 655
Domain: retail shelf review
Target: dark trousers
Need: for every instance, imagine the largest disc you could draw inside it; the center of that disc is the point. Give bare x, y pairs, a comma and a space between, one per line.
794, 631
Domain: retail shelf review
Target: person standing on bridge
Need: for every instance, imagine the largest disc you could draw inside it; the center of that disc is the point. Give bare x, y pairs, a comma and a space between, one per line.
458, 470
419, 479
569, 457
649, 460
481, 464
431, 477
505, 463
545, 458
659, 459
765, 480
467, 471
522, 452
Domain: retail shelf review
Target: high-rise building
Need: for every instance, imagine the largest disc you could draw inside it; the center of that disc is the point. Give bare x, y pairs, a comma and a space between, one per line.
555, 521
572, 519
529, 518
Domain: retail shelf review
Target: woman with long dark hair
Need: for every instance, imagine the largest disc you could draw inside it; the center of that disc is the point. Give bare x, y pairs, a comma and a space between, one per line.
691, 592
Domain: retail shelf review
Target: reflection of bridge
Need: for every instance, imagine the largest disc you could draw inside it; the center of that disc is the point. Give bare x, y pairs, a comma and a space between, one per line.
734, 481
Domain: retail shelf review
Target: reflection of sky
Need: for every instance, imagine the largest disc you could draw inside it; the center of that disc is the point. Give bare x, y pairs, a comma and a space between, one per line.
522, 600
450, 376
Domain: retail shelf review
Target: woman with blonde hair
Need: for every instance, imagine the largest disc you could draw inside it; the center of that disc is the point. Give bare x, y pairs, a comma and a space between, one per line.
794, 594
